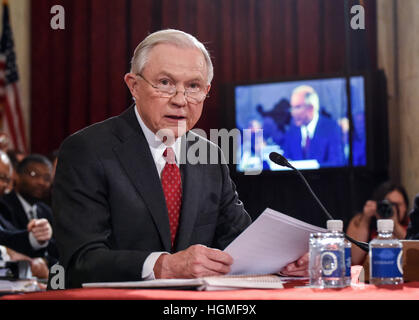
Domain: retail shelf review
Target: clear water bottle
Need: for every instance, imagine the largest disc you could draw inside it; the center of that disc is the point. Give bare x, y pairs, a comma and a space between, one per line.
386, 255
327, 264
337, 226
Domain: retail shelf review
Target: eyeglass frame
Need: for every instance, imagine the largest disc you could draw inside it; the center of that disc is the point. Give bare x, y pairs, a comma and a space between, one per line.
174, 93
300, 107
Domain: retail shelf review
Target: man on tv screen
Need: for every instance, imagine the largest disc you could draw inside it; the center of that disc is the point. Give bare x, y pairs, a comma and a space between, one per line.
312, 135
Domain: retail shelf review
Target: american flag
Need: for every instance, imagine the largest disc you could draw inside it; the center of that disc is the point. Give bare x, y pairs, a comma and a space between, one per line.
11, 119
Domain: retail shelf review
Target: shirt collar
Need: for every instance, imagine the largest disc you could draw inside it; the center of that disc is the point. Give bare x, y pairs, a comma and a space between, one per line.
25, 204
157, 147
311, 127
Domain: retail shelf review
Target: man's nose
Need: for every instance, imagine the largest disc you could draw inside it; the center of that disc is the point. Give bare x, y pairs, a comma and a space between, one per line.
179, 98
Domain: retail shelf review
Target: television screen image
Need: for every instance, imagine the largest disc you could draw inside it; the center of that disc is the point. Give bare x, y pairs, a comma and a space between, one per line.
304, 120
359, 155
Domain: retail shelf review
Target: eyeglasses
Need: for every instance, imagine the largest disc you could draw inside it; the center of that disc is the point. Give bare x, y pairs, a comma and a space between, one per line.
36, 175
299, 107
194, 93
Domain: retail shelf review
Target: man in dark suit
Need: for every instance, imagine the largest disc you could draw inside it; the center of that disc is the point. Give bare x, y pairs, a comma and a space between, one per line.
312, 135
128, 204
23, 208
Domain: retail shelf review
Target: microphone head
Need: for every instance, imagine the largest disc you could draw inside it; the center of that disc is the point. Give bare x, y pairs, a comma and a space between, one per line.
279, 159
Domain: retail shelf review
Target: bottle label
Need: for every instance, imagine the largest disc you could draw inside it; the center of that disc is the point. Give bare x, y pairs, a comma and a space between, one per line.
386, 263
348, 262
331, 261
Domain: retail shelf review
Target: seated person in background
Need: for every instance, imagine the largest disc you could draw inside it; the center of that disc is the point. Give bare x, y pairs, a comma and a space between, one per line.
6, 172
276, 121
15, 157
29, 241
363, 226
413, 229
4, 141
23, 208
29, 244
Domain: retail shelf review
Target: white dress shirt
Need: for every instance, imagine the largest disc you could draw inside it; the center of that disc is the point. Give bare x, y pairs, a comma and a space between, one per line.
309, 129
31, 213
157, 147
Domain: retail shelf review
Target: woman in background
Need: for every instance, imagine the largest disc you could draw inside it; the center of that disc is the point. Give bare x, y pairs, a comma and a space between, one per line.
363, 226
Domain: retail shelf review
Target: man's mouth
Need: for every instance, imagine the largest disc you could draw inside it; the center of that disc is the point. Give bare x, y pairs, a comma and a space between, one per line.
177, 118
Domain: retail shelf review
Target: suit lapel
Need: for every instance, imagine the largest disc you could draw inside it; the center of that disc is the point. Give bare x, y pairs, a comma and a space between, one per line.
191, 189
298, 148
316, 148
19, 212
135, 156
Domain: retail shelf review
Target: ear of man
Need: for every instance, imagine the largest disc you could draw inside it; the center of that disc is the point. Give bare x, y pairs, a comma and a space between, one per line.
131, 82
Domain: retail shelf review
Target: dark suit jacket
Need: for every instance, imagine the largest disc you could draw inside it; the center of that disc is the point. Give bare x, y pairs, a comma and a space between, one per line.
109, 207
12, 210
326, 146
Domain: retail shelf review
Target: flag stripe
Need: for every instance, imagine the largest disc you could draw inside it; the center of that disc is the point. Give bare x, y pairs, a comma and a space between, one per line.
9, 119
18, 109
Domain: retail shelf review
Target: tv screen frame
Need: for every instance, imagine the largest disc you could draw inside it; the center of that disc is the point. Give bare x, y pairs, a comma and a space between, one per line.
369, 90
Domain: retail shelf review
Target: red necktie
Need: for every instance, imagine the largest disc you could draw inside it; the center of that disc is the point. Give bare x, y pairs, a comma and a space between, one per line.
172, 188
306, 147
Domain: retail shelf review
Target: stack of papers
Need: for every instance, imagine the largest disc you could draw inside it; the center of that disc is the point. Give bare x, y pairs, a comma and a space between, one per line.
271, 242
206, 283
15, 286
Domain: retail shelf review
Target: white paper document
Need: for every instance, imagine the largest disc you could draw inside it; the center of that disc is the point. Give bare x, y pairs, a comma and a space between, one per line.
30, 285
270, 243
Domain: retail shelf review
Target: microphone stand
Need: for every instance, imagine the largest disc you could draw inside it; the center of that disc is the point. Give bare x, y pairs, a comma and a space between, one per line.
282, 161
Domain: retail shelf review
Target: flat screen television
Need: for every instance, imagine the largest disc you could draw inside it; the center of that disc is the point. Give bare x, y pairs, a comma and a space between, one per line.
306, 120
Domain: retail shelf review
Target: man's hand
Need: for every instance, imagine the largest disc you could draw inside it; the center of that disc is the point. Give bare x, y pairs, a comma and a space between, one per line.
41, 230
195, 262
297, 268
39, 268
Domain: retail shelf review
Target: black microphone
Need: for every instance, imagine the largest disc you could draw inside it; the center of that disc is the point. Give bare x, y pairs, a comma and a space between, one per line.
282, 161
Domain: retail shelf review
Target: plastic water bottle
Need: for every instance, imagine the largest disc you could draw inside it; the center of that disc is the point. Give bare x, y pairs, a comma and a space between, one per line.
326, 260
332, 260
386, 255
337, 226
